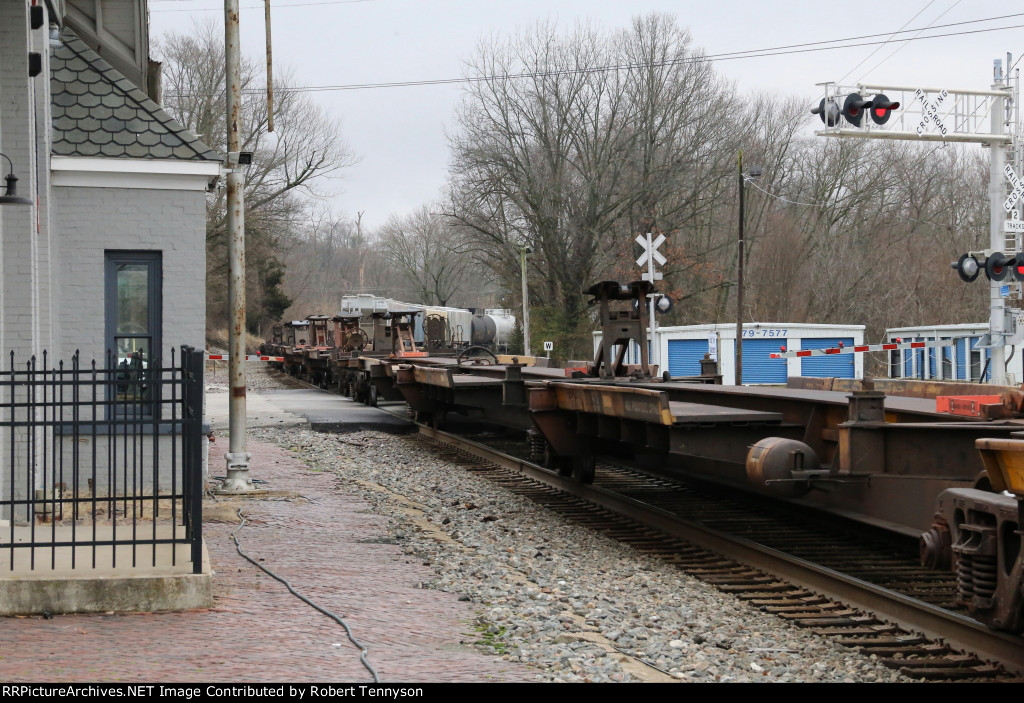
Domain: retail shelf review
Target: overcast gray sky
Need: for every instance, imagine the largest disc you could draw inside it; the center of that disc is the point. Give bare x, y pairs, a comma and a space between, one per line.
399, 132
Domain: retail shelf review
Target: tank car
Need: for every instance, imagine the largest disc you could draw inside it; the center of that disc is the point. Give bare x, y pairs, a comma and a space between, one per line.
492, 329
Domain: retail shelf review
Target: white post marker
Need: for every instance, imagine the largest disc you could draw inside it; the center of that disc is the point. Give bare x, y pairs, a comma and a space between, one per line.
651, 256
549, 347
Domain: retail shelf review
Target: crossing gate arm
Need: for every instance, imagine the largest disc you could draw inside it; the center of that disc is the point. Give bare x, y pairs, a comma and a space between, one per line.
858, 348
251, 357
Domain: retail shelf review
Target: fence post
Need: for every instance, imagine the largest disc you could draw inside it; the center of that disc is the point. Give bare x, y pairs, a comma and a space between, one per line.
192, 434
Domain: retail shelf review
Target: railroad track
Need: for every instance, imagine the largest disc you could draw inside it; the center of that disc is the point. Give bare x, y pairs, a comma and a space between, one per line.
870, 594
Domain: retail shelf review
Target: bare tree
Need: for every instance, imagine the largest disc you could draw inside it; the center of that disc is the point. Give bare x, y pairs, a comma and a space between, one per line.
572, 144
286, 163
425, 248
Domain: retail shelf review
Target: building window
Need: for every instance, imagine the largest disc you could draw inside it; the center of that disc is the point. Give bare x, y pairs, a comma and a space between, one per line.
133, 305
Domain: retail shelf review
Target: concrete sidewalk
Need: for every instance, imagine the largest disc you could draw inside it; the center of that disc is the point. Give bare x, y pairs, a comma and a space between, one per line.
325, 412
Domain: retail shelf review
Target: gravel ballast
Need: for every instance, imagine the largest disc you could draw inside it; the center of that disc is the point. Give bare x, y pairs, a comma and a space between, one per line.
561, 597
574, 604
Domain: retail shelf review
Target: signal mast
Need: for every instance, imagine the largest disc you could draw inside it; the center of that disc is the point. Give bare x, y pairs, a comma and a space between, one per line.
934, 114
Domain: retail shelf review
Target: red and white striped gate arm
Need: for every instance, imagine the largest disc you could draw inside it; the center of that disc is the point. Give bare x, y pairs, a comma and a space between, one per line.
251, 357
867, 348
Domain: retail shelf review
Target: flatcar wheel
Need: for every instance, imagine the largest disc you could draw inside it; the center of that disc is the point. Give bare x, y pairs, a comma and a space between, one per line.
558, 463
583, 468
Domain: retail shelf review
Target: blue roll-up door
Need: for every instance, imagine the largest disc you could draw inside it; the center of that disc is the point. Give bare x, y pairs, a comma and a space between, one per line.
758, 367
684, 356
836, 365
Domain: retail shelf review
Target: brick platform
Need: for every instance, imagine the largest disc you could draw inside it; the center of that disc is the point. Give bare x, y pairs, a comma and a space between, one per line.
331, 548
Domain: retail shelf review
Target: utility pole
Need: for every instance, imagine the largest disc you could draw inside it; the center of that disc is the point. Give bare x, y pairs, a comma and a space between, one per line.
523, 251
739, 284
238, 479
755, 172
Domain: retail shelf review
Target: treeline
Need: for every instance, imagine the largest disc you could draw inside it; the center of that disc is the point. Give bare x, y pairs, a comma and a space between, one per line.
573, 142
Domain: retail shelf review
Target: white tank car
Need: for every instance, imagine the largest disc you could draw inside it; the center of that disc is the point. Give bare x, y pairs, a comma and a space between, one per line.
504, 324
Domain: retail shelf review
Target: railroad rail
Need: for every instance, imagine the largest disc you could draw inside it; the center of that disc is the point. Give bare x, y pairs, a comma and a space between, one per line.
920, 459
921, 639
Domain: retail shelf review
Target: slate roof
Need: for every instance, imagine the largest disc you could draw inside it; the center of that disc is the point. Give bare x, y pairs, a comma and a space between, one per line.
99, 112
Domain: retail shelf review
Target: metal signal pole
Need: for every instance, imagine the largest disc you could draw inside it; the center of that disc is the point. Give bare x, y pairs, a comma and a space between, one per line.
997, 240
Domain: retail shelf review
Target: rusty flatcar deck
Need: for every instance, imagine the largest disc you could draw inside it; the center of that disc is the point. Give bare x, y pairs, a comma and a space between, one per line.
684, 413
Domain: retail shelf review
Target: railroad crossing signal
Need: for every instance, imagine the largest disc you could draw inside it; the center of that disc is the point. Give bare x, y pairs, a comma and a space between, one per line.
1014, 225
854, 106
828, 111
881, 108
651, 250
930, 112
996, 265
939, 115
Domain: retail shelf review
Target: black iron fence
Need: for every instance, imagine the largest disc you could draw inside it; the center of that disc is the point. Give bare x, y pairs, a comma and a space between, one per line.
102, 465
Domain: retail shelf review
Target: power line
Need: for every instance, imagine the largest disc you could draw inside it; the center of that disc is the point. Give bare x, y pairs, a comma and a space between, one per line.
898, 31
774, 51
903, 44
256, 7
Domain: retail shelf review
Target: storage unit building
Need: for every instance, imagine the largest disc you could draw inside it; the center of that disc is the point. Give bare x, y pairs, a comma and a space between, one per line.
680, 349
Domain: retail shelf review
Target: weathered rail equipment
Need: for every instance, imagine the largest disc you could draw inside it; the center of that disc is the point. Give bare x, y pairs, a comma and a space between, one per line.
318, 355
924, 459
899, 455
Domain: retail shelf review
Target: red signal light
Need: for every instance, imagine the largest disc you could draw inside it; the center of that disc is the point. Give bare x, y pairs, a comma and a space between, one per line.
997, 266
1017, 269
881, 108
853, 108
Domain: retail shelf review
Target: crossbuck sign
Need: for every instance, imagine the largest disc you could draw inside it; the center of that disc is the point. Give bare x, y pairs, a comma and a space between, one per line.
651, 256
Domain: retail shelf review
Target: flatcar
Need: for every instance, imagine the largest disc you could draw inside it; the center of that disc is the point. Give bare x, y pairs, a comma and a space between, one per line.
902, 456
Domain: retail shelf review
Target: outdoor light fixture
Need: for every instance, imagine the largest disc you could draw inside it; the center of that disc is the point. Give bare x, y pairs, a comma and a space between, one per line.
10, 196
